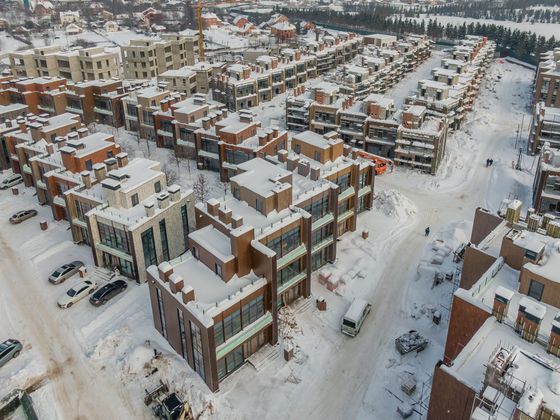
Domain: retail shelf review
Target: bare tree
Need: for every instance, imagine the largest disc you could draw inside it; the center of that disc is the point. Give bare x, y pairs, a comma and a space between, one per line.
201, 188
225, 187
170, 174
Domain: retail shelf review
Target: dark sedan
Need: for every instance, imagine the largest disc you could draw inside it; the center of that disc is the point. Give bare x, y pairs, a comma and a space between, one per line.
107, 292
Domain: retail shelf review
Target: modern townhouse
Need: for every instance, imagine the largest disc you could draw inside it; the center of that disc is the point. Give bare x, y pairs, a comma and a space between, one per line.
223, 141
129, 215
547, 79
244, 86
148, 58
76, 64
97, 101
382, 126
546, 186
544, 128
57, 169
454, 86
421, 140
40, 94
9, 114
502, 348
253, 253
32, 135
139, 107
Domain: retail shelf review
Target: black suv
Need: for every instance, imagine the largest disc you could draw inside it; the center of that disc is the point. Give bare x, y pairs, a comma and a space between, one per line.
107, 292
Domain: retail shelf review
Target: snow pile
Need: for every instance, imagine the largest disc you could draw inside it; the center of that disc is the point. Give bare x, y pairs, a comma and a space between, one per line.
394, 204
138, 368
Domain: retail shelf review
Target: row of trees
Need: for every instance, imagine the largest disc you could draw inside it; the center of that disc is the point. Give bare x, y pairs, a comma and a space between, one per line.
513, 10
524, 45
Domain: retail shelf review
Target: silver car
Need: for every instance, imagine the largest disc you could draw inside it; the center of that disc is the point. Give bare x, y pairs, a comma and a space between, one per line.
65, 271
9, 350
11, 181
21, 216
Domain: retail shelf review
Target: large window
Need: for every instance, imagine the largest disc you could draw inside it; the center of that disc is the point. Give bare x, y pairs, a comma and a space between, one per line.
197, 350
252, 311
149, 247
319, 235
236, 157
289, 272
232, 324
163, 235
163, 323
230, 362
318, 208
185, 220
81, 209
113, 237
363, 180
343, 181
285, 243
209, 146
181, 322
536, 290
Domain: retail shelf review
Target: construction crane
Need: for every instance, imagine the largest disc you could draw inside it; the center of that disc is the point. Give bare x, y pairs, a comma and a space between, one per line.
200, 34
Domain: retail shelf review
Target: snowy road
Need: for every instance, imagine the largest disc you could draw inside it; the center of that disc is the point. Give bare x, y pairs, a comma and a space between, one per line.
48, 338
350, 387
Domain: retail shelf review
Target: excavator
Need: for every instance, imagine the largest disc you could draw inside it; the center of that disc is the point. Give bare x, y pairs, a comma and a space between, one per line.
381, 163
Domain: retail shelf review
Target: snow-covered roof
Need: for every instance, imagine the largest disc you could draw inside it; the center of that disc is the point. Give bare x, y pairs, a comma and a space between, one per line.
261, 177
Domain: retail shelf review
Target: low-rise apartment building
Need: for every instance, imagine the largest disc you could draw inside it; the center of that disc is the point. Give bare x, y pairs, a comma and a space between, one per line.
9, 114
223, 141
502, 349
148, 58
129, 216
33, 133
140, 106
547, 79
544, 128
456, 83
57, 169
97, 101
253, 252
245, 86
421, 140
546, 186
42, 95
76, 64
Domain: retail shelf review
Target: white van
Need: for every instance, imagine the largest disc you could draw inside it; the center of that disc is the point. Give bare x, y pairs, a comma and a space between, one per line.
354, 317
10, 181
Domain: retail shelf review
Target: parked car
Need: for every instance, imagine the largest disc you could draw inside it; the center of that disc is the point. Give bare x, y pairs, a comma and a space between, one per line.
22, 215
354, 317
107, 292
65, 271
10, 181
9, 350
76, 293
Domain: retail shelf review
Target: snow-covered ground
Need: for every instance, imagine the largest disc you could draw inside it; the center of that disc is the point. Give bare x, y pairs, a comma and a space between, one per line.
409, 84
545, 29
87, 358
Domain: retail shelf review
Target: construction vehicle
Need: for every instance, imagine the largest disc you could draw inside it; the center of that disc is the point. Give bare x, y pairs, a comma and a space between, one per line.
381, 163
167, 406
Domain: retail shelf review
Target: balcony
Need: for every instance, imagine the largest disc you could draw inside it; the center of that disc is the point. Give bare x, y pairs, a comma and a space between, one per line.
114, 252
291, 256
243, 335
106, 111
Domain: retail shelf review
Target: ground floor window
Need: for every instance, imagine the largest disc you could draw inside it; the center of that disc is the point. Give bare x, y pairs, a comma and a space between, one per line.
85, 236
126, 268
230, 362
289, 295
198, 356
536, 290
319, 258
